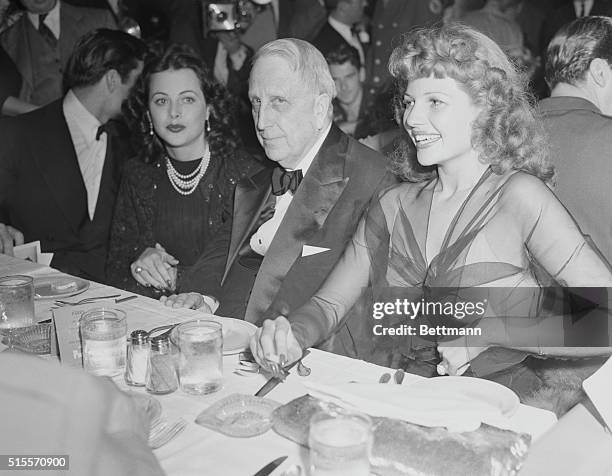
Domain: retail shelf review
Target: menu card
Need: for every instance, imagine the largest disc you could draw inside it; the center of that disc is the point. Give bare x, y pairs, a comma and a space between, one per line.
66, 322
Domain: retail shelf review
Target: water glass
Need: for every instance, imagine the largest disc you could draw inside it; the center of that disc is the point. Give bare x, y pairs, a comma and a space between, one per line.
104, 340
200, 361
340, 443
16, 304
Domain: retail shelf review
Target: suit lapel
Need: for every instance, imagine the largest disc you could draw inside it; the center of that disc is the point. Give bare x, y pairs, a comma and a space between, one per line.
318, 193
58, 164
250, 197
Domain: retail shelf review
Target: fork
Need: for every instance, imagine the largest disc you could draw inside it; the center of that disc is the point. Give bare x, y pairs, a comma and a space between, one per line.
84, 301
162, 432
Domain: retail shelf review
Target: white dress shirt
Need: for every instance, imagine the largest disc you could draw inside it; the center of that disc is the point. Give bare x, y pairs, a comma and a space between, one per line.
83, 127
220, 70
52, 20
260, 241
347, 34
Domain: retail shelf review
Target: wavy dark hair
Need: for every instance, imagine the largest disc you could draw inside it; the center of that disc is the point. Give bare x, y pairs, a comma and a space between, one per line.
223, 137
507, 134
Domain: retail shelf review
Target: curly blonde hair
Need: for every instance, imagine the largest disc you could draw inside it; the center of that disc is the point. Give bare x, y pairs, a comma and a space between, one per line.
507, 134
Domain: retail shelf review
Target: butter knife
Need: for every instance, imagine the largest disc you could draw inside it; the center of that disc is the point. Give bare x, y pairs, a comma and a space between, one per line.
271, 466
274, 381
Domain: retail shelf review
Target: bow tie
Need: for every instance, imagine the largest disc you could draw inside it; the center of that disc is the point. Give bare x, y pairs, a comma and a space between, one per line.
102, 129
284, 180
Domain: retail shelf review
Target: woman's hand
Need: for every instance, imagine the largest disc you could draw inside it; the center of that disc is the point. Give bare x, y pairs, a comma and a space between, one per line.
155, 267
274, 342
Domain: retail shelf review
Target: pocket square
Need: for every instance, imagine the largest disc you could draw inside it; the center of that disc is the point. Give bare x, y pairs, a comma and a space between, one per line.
312, 250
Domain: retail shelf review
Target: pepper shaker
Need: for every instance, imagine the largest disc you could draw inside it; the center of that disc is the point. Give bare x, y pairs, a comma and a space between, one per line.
137, 358
161, 371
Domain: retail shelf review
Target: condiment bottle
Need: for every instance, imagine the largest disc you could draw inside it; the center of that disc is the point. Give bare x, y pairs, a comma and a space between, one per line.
161, 371
137, 358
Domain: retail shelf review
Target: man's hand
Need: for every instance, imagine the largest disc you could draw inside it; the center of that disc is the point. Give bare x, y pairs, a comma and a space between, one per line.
9, 237
274, 342
187, 301
155, 267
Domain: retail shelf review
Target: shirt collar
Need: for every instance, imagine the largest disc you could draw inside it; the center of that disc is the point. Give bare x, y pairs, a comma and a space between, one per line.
342, 28
52, 20
588, 5
305, 163
78, 116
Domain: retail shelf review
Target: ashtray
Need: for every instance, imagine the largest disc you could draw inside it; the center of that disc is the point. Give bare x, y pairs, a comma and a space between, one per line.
34, 340
238, 415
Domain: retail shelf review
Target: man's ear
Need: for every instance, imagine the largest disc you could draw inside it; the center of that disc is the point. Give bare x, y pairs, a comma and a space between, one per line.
600, 72
321, 109
112, 79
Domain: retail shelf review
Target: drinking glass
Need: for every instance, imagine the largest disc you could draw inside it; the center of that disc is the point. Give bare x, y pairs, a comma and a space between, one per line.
104, 341
16, 305
340, 443
200, 362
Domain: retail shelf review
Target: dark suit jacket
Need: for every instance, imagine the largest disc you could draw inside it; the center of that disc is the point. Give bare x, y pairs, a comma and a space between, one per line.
329, 39
324, 213
579, 137
43, 195
74, 23
300, 18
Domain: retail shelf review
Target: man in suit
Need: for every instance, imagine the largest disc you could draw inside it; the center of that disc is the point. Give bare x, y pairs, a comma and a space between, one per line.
41, 42
578, 120
344, 14
286, 233
59, 169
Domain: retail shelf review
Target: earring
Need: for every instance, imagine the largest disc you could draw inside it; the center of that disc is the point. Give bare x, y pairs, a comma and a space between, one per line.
151, 131
207, 125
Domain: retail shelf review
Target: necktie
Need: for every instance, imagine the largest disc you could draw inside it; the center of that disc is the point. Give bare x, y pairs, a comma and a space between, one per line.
46, 32
285, 180
581, 9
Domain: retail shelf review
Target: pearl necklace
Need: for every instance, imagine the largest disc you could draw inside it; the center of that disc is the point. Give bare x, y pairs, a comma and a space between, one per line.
187, 183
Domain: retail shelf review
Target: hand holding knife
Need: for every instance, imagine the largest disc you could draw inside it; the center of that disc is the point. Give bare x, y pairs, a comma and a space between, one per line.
279, 376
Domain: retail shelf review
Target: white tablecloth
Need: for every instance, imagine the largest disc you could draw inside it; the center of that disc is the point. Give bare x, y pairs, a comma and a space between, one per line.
197, 450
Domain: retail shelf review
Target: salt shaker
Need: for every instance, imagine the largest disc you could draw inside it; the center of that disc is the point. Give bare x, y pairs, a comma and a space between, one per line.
137, 358
161, 371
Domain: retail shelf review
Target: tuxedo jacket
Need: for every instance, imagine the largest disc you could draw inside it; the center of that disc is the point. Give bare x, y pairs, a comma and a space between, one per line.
41, 67
321, 219
43, 195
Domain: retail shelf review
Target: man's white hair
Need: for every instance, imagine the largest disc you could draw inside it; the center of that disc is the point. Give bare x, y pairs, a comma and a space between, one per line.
304, 59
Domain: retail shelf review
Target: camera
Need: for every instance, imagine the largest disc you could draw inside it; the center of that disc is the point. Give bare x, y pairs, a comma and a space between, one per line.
230, 15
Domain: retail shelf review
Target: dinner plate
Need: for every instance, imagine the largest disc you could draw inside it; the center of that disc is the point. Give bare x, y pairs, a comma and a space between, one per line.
239, 415
58, 286
486, 391
236, 334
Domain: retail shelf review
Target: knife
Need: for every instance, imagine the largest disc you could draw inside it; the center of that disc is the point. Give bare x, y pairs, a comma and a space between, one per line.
267, 469
274, 381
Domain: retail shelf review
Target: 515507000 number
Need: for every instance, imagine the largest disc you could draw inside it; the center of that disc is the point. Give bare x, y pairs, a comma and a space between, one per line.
37, 462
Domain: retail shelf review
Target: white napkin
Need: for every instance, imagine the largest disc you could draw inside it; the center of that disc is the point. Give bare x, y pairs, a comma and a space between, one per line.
417, 404
599, 389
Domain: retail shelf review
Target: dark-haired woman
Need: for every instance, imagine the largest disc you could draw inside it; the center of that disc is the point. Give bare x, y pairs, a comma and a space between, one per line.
178, 191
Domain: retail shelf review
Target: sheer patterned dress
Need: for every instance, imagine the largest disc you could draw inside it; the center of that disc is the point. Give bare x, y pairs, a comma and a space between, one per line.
507, 236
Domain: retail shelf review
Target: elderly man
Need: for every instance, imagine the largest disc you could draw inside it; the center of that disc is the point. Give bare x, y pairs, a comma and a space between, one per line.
577, 117
287, 231
59, 169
